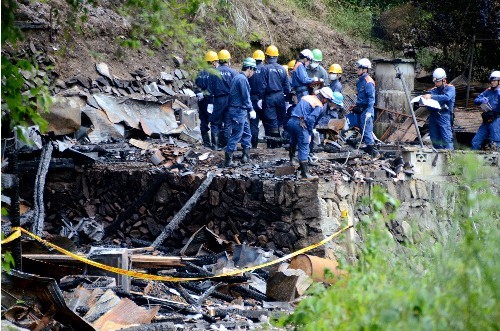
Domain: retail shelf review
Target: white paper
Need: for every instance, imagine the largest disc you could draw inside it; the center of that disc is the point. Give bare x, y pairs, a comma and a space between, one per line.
426, 102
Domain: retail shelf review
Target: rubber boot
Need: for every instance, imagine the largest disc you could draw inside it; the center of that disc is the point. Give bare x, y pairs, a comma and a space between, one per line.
245, 158
206, 139
291, 154
276, 134
228, 159
255, 142
372, 151
215, 142
304, 171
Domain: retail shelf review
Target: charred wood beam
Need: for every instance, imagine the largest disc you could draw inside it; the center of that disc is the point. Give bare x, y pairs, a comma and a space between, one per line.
41, 174
195, 288
249, 293
158, 181
179, 217
14, 211
184, 293
251, 314
145, 243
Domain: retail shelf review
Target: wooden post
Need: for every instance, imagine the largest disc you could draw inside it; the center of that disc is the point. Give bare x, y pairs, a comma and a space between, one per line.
179, 217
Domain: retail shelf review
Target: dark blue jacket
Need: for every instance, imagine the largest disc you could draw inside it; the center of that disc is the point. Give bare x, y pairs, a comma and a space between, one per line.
239, 94
299, 76
490, 96
220, 85
275, 78
445, 95
336, 86
366, 92
256, 83
309, 108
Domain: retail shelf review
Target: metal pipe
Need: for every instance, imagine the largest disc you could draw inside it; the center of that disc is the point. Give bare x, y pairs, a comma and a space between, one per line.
399, 75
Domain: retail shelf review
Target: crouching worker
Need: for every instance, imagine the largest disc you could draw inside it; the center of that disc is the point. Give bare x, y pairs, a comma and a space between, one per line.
301, 125
489, 101
240, 108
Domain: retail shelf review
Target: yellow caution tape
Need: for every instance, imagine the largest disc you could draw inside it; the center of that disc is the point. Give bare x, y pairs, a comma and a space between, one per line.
179, 279
14, 235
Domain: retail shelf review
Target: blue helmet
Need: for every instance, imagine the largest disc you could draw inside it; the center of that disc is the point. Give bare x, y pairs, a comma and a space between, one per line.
338, 99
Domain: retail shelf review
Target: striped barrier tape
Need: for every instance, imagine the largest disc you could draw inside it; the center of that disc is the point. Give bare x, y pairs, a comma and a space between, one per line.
141, 275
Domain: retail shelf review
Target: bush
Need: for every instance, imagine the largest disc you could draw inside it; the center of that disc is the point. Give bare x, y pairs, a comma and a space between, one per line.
451, 285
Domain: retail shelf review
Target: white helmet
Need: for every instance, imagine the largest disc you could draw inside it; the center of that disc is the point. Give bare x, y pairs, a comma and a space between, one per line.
326, 92
364, 63
495, 75
307, 54
438, 75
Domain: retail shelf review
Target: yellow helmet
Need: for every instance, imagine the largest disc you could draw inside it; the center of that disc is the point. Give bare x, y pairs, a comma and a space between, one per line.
291, 64
211, 56
272, 51
259, 55
224, 55
335, 69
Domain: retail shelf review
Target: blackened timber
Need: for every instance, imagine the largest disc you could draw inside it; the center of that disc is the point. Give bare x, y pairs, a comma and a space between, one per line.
158, 181
249, 293
179, 217
195, 288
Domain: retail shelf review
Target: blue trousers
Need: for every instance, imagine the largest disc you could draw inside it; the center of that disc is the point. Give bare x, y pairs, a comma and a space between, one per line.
274, 111
298, 137
440, 130
217, 118
204, 115
486, 131
359, 121
240, 129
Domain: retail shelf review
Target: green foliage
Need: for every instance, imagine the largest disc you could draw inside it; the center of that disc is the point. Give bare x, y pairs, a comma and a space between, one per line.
451, 285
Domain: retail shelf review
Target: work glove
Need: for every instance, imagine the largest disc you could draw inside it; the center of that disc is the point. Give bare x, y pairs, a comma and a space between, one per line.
321, 80
259, 103
210, 108
287, 105
200, 96
315, 79
368, 115
253, 114
346, 124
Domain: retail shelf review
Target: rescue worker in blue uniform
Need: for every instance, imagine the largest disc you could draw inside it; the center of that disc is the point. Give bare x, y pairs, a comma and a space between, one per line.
255, 95
315, 69
301, 124
219, 87
489, 101
440, 120
335, 75
300, 79
203, 95
334, 111
240, 109
276, 87
363, 112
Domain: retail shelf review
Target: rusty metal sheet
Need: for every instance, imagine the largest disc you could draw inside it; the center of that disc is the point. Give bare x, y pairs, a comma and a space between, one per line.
103, 129
43, 290
153, 117
65, 114
126, 313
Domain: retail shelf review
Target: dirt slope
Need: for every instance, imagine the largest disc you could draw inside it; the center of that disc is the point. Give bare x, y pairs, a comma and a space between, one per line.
77, 52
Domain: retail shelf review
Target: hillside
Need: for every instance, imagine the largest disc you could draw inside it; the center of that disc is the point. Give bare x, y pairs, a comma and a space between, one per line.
240, 27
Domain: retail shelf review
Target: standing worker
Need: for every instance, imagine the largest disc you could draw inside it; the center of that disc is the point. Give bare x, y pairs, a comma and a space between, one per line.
335, 75
276, 87
240, 109
300, 80
203, 94
441, 120
490, 103
315, 69
364, 109
301, 125
255, 95
219, 86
